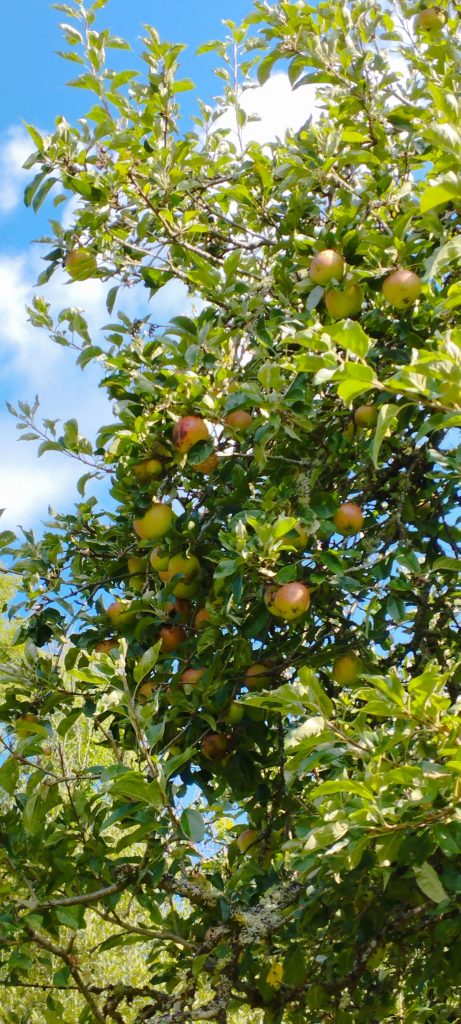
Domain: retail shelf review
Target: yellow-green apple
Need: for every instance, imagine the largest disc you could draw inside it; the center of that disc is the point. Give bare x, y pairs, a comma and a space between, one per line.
289, 601
155, 523
401, 288
234, 713
120, 614
325, 266
247, 839
81, 264
344, 302
346, 669
159, 560
366, 416
258, 676
430, 20
187, 565
149, 469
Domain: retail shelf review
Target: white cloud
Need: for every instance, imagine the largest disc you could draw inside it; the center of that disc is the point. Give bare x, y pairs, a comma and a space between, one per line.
15, 146
278, 106
32, 364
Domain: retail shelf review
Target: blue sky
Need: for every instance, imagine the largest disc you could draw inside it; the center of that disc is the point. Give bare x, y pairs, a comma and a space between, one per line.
32, 87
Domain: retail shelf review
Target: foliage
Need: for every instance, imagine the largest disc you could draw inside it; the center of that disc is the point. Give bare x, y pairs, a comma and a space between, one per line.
346, 907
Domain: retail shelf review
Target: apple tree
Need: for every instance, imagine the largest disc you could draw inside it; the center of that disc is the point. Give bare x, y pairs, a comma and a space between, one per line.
257, 621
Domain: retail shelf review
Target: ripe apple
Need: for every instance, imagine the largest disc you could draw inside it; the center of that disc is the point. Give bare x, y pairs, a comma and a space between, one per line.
366, 416
431, 19
187, 565
155, 523
247, 839
81, 264
325, 266
346, 669
191, 676
238, 420
401, 288
189, 430
179, 610
344, 302
214, 746
258, 676
289, 601
348, 519
105, 646
208, 465
234, 713
149, 469
172, 637
202, 619
120, 614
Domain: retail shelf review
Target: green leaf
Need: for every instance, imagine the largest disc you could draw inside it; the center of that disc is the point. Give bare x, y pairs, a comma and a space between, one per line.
71, 917
351, 336
350, 389
438, 195
446, 254
193, 825
429, 882
446, 564
326, 835
342, 786
147, 662
132, 785
387, 421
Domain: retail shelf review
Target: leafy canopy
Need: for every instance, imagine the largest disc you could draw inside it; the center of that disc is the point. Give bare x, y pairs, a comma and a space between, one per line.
341, 901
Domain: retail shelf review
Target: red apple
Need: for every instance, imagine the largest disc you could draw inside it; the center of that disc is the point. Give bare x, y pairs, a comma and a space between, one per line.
238, 420
189, 430
348, 519
191, 676
172, 637
202, 619
214, 746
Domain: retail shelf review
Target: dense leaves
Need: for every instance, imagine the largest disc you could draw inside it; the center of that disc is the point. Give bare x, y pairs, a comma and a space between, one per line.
338, 756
